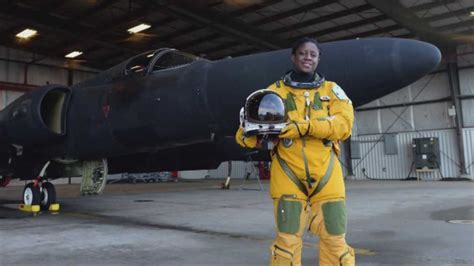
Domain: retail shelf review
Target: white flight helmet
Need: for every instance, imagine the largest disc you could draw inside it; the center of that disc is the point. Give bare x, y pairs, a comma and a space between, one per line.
264, 113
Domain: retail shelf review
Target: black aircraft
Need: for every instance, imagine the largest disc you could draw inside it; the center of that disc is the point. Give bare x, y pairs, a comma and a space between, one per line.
168, 110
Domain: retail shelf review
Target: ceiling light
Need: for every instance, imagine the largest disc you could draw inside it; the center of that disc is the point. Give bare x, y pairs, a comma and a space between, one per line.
26, 33
73, 54
472, 13
138, 28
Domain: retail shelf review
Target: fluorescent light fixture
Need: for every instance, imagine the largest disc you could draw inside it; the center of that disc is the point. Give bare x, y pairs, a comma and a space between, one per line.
73, 54
26, 33
138, 28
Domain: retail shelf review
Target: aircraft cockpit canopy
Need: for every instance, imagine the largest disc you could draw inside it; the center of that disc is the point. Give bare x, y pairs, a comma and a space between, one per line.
157, 60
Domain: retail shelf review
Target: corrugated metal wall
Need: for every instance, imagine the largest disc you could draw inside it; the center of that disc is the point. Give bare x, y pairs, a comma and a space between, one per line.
468, 134
378, 165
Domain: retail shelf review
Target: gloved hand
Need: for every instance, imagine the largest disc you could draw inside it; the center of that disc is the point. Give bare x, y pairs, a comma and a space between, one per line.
246, 142
295, 129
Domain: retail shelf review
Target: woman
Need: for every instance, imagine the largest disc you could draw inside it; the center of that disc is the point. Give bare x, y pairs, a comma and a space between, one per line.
306, 176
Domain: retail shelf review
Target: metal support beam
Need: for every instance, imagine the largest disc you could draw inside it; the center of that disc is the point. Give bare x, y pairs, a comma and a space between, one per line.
450, 14
465, 23
223, 24
292, 12
311, 22
455, 89
408, 19
9, 86
254, 7
343, 27
322, 19
213, 36
431, 5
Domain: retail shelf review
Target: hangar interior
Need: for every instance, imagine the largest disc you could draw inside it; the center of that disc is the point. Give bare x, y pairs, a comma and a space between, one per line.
439, 106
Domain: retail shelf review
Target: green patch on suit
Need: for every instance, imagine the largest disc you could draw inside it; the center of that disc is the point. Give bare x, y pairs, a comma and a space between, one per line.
289, 213
335, 217
317, 103
290, 102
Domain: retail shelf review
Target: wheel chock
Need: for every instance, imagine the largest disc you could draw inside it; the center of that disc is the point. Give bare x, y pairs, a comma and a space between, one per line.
30, 208
54, 207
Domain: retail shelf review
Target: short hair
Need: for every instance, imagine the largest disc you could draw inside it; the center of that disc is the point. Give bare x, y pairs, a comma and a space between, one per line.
302, 41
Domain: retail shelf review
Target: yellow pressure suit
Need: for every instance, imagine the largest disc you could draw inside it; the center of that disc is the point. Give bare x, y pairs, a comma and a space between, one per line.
306, 176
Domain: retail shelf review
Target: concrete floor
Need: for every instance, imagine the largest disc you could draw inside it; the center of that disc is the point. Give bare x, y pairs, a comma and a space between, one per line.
390, 223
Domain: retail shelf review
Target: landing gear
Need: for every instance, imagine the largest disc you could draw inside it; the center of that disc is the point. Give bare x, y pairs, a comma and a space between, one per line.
31, 194
94, 177
39, 195
31, 198
48, 195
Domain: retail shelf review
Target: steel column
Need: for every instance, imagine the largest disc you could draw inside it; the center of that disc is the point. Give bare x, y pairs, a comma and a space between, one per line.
453, 74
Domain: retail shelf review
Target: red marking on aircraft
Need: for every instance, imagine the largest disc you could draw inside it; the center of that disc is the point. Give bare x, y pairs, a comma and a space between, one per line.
106, 110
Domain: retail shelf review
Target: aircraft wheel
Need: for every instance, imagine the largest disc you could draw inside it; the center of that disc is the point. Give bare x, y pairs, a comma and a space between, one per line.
48, 195
31, 194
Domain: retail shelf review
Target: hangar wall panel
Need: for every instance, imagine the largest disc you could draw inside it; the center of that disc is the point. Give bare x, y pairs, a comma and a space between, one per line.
468, 112
15, 54
430, 87
380, 166
396, 119
468, 134
12, 72
80, 76
465, 55
432, 116
410, 118
39, 75
6, 97
368, 122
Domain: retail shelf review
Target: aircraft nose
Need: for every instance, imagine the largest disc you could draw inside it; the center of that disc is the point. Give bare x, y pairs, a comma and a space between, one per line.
413, 59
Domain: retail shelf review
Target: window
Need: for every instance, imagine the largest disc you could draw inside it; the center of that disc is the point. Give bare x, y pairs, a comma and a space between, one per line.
139, 64
165, 58
173, 59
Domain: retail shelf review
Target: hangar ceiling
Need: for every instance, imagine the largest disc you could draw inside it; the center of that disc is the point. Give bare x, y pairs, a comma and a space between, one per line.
220, 28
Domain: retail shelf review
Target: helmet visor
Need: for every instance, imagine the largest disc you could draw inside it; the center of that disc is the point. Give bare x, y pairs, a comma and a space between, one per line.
266, 107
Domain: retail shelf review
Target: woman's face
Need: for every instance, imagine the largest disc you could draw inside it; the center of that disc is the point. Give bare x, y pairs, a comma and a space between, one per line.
306, 58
